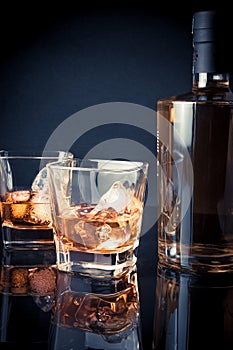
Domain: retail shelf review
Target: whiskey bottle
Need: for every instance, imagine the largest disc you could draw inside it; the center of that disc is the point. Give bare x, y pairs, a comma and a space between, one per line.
195, 159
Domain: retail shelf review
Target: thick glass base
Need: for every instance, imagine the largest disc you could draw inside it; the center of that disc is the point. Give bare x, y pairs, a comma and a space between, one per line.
96, 264
27, 238
28, 257
199, 258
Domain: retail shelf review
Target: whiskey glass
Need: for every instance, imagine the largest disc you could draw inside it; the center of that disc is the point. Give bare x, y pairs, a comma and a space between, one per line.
24, 198
97, 207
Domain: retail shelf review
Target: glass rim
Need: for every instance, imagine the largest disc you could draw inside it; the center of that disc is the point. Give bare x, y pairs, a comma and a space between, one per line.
21, 154
135, 165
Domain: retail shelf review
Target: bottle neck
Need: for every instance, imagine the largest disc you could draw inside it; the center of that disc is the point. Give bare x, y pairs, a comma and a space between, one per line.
211, 80
210, 38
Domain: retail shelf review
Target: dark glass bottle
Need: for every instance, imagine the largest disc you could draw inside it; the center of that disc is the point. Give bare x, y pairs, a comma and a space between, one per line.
195, 157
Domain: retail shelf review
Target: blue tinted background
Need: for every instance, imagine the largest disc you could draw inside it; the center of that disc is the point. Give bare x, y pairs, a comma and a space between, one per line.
58, 60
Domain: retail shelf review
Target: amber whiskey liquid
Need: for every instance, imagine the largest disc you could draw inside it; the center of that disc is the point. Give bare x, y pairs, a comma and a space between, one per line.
25, 220
106, 237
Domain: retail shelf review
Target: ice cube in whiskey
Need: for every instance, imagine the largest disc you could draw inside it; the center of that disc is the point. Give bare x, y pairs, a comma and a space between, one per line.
26, 219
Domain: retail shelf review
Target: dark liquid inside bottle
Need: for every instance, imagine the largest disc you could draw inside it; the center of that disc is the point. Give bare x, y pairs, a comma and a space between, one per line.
204, 235
212, 165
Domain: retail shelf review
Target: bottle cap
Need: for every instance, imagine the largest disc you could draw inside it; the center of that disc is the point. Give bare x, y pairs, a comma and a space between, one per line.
210, 43
203, 26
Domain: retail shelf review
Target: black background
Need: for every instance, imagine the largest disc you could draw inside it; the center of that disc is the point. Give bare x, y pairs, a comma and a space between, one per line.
59, 58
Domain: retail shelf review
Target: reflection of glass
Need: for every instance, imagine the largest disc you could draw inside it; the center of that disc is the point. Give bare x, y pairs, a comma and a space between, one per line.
192, 311
27, 287
24, 198
97, 208
92, 313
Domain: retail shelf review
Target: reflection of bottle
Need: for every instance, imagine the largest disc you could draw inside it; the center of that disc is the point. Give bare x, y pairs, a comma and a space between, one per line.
95, 313
199, 124
193, 311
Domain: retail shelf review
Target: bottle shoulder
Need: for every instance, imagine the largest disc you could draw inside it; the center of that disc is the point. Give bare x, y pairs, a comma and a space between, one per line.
200, 96
187, 96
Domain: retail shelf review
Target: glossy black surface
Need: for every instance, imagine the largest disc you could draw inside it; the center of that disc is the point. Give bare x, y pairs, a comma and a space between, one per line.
26, 313
193, 311
58, 60
177, 311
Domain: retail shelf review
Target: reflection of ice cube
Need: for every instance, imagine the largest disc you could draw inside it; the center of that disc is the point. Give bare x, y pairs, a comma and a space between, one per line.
45, 303
117, 197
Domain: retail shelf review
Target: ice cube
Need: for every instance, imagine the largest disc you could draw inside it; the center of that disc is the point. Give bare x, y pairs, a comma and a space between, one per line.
110, 243
85, 235
103, 232
40, 209
117, 197
18, 196
40, 194
69, 213
39, 214
40, 182
39, 197
6, 176
40, 187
